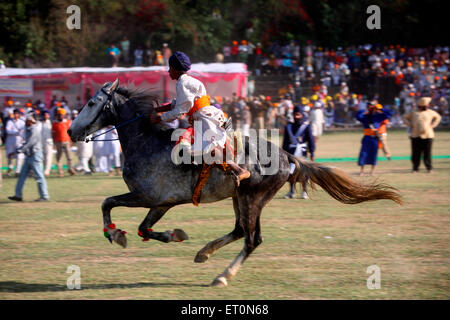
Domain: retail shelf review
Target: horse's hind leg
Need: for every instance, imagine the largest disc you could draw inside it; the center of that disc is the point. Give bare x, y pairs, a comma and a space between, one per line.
252, 230
151, 219
131, 199
215, 245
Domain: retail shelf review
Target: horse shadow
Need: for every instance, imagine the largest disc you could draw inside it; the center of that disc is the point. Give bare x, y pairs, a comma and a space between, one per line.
21, 287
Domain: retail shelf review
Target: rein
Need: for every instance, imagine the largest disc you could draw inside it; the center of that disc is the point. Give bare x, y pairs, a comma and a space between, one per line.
115, 127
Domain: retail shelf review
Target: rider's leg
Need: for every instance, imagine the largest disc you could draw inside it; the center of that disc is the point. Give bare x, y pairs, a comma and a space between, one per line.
240, 173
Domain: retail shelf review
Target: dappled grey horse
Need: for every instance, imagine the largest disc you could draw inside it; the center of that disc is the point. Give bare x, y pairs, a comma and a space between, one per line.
157, 183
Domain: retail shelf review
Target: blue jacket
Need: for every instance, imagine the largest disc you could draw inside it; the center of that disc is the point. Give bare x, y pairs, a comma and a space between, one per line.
294, 131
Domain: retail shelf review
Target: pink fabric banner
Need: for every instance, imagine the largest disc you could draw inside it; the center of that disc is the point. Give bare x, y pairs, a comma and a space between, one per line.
225, 81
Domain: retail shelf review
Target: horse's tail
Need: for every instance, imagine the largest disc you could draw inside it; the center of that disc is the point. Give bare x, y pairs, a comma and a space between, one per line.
339, 185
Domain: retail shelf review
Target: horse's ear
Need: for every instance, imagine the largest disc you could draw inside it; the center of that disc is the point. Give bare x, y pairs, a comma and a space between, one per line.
113, 86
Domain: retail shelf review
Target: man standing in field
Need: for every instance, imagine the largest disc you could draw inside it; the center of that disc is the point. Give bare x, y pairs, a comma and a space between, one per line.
371, 121
47, 142
298, 140
15, 129
422, 123
32, 148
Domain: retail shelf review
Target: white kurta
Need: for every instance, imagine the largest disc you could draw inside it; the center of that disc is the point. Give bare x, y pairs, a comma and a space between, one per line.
113, 149
210, 118
47, 145
101, 155
85, 151
317, 120
15, 134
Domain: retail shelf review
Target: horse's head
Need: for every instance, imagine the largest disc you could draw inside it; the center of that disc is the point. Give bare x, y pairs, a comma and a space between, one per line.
93, 116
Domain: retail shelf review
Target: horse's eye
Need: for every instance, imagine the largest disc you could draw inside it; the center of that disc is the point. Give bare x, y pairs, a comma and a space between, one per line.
91, 103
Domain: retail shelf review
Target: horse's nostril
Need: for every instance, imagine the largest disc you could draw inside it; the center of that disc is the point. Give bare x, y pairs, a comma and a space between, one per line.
69, 132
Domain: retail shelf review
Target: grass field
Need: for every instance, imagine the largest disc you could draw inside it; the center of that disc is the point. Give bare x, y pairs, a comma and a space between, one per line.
312, 249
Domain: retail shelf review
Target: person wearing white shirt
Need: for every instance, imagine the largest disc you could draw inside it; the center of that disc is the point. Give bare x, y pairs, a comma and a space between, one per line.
85, 151
47, 142
192, 100
317, 121
15, 135
113, 149
100, 153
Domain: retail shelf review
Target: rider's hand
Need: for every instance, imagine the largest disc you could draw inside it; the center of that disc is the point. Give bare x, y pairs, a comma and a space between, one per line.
155, 119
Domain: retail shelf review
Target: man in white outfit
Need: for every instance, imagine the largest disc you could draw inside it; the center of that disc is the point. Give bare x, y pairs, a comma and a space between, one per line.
317, 120
113, 149
193, 101
101, 154
47, 142
15, 136
85, 151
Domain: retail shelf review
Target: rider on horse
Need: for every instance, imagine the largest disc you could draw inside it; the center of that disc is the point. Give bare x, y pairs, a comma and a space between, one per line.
192, 100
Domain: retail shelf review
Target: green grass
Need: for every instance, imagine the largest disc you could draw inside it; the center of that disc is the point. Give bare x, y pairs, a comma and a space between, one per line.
409, 243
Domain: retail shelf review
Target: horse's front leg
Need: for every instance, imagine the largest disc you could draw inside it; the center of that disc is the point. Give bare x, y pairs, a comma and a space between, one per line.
131, 199
151, 219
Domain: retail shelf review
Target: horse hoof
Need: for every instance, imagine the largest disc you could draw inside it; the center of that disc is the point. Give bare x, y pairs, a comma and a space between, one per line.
120, 239
200, 257
179, 235
219, 282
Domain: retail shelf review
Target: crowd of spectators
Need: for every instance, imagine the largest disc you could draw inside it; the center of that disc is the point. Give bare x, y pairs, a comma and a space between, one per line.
421, 66
338, 110
352, 74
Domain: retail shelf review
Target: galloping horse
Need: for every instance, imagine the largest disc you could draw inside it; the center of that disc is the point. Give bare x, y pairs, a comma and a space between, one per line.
155, 182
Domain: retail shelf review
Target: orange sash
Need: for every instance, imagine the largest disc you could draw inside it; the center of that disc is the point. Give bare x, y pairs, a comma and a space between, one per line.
369, 132
198, 104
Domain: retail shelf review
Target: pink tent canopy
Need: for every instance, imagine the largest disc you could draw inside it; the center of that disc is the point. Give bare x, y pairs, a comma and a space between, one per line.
220, 79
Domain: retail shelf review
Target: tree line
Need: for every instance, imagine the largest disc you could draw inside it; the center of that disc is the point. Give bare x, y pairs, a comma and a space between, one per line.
34, 32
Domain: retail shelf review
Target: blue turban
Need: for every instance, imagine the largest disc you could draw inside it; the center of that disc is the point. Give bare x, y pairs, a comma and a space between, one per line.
298, 109
301, 110
180, 61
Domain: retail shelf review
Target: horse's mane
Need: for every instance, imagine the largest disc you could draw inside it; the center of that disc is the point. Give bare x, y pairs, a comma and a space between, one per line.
144, 101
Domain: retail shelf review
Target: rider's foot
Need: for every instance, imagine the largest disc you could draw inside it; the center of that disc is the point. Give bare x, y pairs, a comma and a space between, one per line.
242, 175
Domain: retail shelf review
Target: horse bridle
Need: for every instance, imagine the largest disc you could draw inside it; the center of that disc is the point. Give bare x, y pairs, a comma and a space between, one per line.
109, 105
